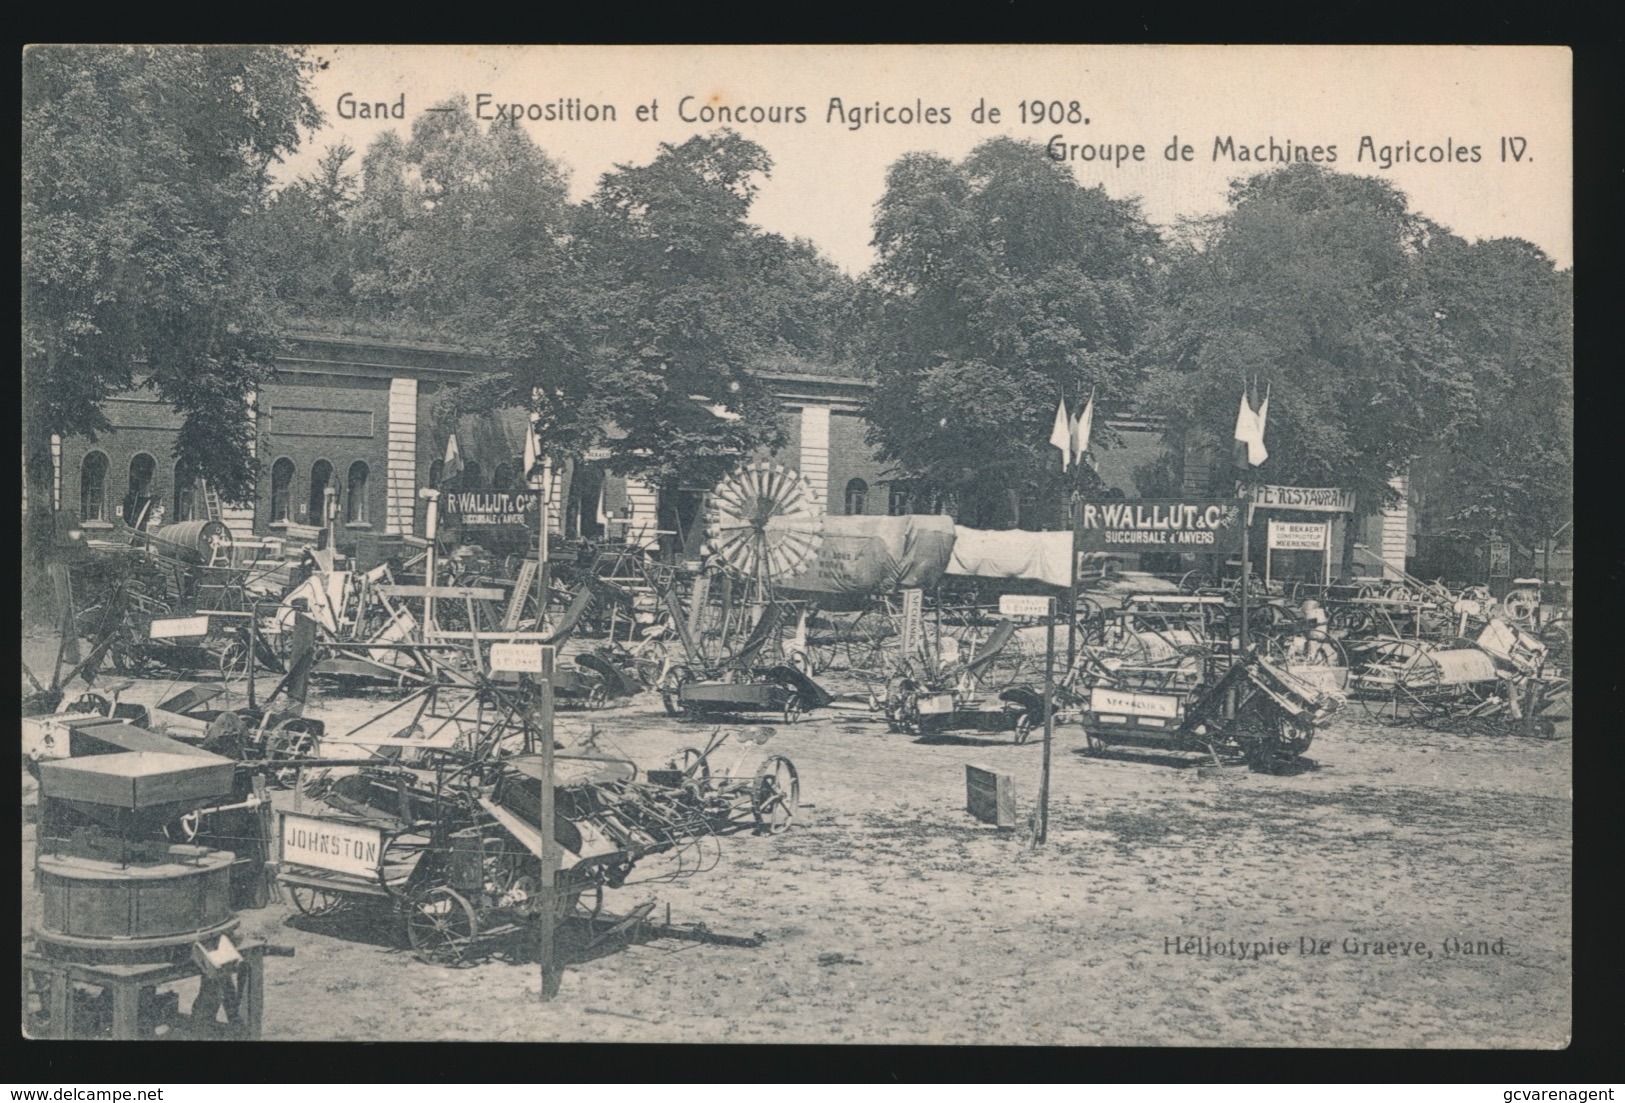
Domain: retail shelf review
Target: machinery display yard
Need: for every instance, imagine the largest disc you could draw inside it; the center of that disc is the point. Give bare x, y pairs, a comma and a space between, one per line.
1406, 887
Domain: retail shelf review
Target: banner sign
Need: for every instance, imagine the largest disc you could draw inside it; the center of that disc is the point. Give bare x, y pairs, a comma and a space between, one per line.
1102, 699
1320, 499
913, 622
1161, 524
1298, 535
174, 628
352, 848
491, 507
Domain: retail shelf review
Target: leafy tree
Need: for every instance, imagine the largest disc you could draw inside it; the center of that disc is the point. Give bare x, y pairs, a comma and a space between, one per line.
1509, 312
1002, 285
1313, 283
304, 240
141, 168
678, 275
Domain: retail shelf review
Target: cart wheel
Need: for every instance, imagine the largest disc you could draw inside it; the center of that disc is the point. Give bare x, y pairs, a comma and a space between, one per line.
777, 796
316, 902
1024, 727
441, 926
671, 690
293, 738
793, 709
235, 661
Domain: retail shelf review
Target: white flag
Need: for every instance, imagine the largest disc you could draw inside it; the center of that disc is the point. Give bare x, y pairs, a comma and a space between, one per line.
1081, 429
452, 465
1061, 434
1247, 429
532, 451
1258, 452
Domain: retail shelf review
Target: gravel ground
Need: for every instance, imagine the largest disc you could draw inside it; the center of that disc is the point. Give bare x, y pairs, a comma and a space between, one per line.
891, 916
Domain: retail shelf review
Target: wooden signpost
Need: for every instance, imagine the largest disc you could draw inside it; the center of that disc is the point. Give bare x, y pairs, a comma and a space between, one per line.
1018, 605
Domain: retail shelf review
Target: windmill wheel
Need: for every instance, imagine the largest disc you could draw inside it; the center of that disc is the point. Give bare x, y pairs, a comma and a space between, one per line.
764, 522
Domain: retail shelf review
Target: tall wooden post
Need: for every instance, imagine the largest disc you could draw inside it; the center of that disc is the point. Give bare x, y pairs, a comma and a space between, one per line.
1049, 723
431, 529
548, 922
1072, 598
1246, 564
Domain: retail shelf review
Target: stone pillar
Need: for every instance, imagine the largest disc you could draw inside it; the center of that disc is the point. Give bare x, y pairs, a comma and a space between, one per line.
1394, 542
814, 459
401, 478
644, 501
240, 519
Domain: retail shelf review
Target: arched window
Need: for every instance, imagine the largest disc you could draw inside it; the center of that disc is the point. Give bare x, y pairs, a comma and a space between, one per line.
321, 475
356, 504
282, 490
185, 494
857, 496
93, 487
138, 496
472, 475
436, 469
505, 476
897, 500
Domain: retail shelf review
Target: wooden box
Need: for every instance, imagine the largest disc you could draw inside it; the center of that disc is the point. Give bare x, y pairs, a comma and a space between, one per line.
138, 779
989, 796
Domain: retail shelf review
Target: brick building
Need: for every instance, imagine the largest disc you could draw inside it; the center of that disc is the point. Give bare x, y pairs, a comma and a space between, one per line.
353, 415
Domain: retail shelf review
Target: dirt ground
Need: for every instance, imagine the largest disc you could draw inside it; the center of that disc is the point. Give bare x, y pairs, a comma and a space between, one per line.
891, 916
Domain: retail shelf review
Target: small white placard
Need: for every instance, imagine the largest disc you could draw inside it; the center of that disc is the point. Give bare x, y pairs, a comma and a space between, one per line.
1023, 605
1297, 536
170, 628
517, 658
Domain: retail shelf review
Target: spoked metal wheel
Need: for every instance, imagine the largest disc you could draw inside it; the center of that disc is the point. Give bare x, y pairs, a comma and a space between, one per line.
1387, 677
442, 926
794, 708
1270, 742
317, 903
1024, 728
293, 738
671, 690
235, 661
777, 796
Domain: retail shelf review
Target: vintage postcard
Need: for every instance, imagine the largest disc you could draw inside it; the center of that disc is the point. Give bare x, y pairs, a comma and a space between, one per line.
1029, 545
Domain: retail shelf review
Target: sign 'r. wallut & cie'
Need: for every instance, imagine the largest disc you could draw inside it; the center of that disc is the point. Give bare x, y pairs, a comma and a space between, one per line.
1161, 524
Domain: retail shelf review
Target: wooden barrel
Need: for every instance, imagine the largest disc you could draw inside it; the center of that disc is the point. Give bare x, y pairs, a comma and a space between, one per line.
96, 900
202, 543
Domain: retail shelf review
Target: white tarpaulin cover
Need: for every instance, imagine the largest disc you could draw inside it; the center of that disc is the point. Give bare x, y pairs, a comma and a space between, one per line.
1016, 553
876, 555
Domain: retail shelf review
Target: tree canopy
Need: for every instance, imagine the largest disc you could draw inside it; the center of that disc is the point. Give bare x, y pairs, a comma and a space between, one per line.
1003, 285
1315, 285
638, 320
1510, 467
141, 168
